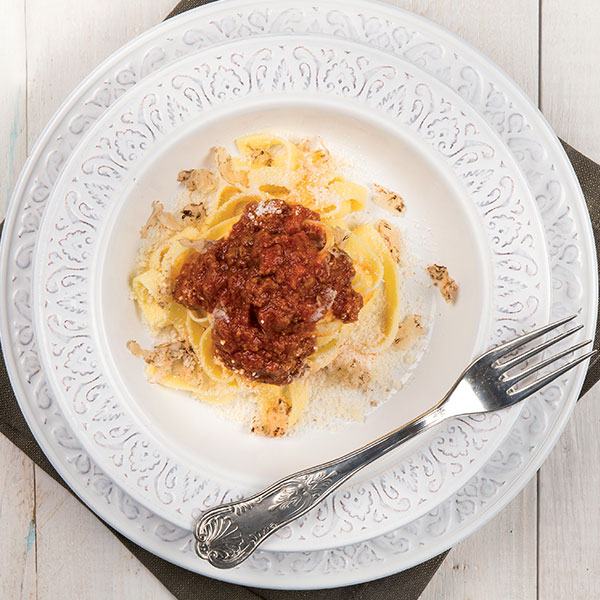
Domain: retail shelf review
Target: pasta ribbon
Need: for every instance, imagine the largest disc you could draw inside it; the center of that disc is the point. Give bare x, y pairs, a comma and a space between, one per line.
178, 316
325, 353
226, 194
204, 393
221, 229
211, 367
391, 278
165, 256
353, 192
146, 290
234, 207
280, 152
194, 332
296, 395
203, 321
335, 211
328, 327
367, 261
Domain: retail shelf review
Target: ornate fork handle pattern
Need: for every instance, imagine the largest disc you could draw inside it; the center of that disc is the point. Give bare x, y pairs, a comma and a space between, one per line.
226, 535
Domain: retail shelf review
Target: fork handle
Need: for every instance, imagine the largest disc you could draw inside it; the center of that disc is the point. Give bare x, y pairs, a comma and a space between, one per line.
228, 534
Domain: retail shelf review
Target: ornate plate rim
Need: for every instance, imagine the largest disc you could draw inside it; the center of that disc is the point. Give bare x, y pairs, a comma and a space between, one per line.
144, 537
484, 441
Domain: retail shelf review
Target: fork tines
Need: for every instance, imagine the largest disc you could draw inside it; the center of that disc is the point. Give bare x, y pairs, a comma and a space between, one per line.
512, 380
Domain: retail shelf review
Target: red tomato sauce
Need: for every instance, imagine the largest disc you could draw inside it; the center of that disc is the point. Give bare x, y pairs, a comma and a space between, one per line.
267, 285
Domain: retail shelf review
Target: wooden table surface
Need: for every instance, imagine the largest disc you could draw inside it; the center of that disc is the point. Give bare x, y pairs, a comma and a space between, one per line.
545, 544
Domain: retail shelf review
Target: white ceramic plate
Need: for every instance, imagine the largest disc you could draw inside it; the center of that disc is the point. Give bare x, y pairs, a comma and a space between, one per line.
533, 144
470, 209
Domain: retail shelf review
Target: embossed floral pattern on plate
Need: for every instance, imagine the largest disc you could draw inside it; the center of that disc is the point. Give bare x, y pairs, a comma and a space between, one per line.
145, 117
504, 106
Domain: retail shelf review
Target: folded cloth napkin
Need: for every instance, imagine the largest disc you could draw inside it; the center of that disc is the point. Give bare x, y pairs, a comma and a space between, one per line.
186, 585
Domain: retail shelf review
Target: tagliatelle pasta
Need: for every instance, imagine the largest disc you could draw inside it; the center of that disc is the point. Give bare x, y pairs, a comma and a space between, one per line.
270, 174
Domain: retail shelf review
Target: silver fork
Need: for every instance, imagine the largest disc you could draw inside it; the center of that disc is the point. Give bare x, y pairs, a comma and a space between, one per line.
228, 534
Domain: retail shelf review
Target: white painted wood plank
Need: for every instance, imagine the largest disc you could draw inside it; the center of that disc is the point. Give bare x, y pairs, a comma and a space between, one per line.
570, 72
569, 535
78, 557
13, 74
17, 524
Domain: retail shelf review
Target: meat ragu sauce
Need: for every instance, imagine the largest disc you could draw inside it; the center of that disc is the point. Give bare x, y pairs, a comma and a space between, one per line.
267, 284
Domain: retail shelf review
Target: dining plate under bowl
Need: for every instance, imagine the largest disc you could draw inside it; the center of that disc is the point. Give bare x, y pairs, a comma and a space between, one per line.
531, 142
468, 207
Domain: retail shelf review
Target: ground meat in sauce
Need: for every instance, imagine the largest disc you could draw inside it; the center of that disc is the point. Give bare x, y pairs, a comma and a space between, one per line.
267, 284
